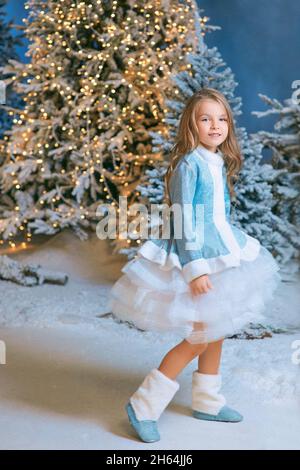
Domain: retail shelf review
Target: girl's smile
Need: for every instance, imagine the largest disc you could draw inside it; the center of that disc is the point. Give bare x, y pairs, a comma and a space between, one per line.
215, 135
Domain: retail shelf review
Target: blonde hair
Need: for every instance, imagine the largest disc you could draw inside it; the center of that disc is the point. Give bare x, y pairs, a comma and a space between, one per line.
187, 139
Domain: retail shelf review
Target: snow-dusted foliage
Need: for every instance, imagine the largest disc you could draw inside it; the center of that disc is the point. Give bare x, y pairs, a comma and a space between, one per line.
284, 144
94, 88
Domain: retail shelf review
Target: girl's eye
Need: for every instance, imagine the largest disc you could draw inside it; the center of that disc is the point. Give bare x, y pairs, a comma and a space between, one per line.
222, 119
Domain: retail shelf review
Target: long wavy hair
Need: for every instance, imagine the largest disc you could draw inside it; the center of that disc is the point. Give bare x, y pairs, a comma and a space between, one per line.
187, 139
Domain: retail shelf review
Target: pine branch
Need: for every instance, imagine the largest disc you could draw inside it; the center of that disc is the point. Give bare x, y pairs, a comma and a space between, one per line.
28, 274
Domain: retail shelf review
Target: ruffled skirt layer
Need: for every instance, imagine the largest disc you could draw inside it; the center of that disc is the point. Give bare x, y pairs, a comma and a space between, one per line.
160, 300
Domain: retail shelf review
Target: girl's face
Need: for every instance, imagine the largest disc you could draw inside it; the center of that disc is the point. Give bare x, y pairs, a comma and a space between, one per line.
212, 122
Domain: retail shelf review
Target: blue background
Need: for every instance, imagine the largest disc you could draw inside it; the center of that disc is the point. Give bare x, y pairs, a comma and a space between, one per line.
259, 40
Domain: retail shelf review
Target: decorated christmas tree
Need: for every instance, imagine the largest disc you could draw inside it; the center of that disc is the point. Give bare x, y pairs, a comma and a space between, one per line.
94, 88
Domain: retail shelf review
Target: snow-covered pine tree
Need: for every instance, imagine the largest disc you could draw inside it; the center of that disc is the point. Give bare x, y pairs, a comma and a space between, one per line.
8, 43
96, 83
284, 144
252, 209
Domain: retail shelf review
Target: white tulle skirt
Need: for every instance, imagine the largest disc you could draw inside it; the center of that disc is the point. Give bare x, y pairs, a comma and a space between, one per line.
159, 300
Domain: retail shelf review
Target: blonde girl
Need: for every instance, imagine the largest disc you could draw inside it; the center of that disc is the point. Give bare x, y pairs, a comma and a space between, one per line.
204, 285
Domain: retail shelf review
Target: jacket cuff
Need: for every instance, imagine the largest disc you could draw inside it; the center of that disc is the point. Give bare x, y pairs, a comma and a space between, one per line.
194, 269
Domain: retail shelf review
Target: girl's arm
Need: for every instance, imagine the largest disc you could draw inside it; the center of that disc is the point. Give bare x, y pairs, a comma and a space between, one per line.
183, 183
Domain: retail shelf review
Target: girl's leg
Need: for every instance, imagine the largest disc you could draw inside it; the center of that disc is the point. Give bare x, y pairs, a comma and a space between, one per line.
209, 360
179, 356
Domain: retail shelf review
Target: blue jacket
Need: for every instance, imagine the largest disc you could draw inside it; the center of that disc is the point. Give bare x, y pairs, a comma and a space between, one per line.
199, 180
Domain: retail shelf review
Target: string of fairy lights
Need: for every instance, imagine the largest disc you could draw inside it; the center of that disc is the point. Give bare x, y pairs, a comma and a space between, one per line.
54, 29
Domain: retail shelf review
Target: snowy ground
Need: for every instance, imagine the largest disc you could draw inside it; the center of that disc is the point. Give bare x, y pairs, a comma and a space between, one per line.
66, 379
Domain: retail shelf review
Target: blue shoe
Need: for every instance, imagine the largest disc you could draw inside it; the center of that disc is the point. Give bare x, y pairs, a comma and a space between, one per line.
225, 414
146, 429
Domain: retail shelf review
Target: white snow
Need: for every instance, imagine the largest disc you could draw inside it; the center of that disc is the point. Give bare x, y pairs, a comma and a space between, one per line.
69, 373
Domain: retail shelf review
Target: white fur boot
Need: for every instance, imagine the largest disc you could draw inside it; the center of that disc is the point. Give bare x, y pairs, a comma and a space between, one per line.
148, 402
207, 402
153, 395
205, 393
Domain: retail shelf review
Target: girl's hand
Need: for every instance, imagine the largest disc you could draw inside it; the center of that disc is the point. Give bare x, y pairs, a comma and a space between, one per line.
201, 285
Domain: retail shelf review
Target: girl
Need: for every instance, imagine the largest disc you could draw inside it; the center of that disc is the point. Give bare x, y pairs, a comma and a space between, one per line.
205, 288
